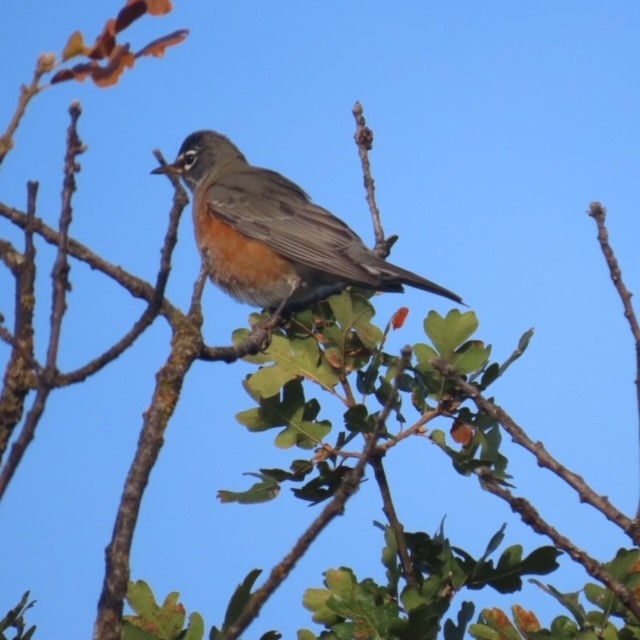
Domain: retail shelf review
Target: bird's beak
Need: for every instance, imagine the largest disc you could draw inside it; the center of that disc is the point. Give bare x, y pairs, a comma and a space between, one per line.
174, 169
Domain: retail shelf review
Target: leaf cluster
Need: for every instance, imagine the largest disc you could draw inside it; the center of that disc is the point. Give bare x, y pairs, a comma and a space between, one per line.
335, 347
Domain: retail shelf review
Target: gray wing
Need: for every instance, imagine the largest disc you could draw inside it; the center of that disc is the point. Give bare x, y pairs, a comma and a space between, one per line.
266, 206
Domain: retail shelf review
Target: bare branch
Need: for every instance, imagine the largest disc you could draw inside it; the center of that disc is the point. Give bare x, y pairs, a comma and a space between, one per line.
180, 201
185, 348
19, 378
599, 214
537, 449
390, 511
11, 257
60, 274
43, 65
136, 286
364, 140
532, 518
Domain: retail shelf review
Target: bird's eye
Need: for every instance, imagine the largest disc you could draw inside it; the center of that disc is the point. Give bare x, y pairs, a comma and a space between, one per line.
189, 159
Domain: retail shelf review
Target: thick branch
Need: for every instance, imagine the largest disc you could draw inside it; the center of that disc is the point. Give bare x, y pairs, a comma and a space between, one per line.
185, 347
18, 379
531, 517
543, 457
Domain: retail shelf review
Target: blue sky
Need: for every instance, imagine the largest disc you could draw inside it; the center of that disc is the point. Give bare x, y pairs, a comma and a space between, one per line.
496, 124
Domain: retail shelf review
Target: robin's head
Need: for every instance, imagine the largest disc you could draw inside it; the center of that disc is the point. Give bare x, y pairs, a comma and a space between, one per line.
201, 153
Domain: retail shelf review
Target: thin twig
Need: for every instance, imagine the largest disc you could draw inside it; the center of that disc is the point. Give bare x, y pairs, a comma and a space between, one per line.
185, 348
26, 94
251, 345
364, 140
390, 511
350, 484
543, 457
532, 518
180, 201
416, 429
60, 274
60, 277
599, 214
136, 286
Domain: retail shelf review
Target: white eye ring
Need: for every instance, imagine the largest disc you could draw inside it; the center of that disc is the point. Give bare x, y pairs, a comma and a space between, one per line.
190, 158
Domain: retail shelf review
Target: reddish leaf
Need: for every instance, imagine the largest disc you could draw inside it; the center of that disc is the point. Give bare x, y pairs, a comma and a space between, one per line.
83, 70
130, 13
526, 621
159, 7
157, 47
399, 317
105, 42
110, 74
497, 617
62, 76
75, 46
462, 433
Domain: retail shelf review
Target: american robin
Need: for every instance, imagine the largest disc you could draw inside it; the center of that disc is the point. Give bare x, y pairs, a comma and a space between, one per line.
265, 242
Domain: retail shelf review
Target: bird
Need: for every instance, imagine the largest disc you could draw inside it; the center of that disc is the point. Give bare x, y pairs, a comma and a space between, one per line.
265, 242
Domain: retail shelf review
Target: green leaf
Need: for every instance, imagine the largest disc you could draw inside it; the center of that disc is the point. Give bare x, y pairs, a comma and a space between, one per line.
15, 619
390, 559
494, 543
195, 630
425, 354
451, 332
457, 632
291, 412
239, 599
165, 622
263, 491
571, 601
327, 482
490, 375
292, 357
471, 358
494, 625
523, 343
353, 609
357, 418
315, 600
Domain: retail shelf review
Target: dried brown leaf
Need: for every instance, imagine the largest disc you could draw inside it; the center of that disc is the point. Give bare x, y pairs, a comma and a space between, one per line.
130, 13
157, 47
84, 70
526, 621
159, 7
75, 46
462, 432
105, 42
62, 76
109, 75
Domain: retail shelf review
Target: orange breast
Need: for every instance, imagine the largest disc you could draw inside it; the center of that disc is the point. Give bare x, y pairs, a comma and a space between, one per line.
247, 269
